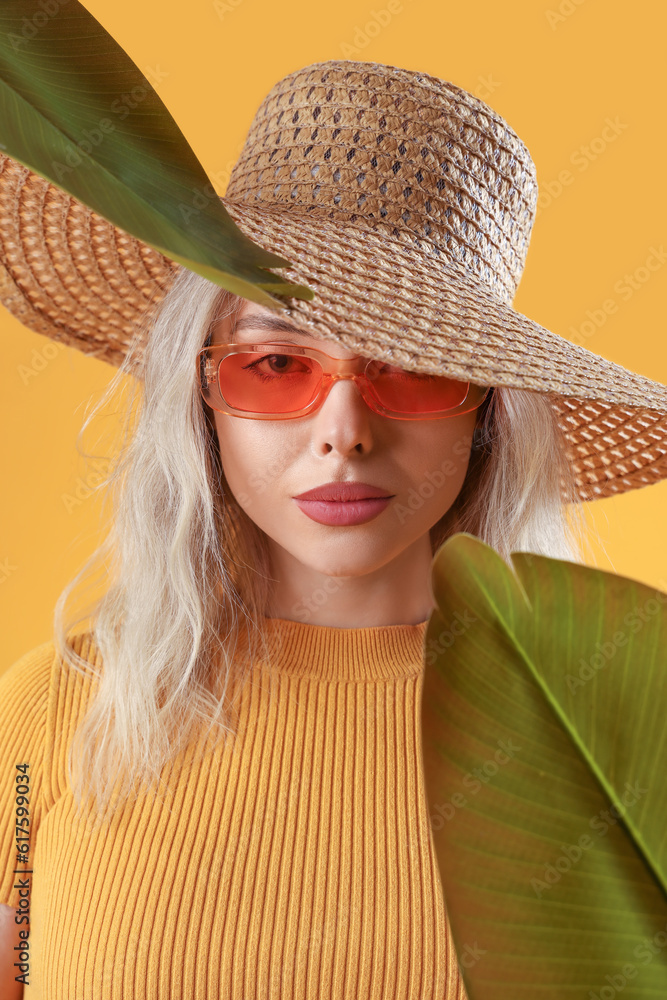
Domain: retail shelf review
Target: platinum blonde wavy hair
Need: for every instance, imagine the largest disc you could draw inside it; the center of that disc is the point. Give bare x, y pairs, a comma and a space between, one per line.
186, 571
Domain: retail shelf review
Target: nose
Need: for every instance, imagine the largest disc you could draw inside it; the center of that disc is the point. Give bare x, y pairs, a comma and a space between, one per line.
343, 421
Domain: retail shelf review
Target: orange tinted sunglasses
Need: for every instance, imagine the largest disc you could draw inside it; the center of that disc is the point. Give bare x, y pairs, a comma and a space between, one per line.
280, 382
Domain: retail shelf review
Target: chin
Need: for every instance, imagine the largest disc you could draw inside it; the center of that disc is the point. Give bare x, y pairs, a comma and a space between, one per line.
346, 558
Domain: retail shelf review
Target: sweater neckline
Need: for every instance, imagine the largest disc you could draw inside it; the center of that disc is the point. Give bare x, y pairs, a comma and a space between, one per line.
370, 653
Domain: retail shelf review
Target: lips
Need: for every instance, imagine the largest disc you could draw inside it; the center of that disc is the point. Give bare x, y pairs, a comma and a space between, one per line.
343, 503
342, 492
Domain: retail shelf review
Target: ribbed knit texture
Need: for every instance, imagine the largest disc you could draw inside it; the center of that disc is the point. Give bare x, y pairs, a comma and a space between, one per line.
296, 862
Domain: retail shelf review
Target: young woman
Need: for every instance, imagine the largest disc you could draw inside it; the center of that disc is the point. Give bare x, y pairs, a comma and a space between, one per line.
223, 753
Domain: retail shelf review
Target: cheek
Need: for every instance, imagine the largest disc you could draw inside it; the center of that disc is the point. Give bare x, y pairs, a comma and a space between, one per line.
252, 460
238, 452
439, 457
443, 444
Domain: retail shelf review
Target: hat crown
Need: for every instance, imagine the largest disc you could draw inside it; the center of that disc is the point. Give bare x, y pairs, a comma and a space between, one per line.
396, 150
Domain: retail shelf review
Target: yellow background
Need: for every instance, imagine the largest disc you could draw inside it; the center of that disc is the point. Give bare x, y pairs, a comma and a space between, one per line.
555, 70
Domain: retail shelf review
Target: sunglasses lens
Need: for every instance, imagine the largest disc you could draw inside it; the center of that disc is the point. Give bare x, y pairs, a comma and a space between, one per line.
269, 383
414, 392
256, 382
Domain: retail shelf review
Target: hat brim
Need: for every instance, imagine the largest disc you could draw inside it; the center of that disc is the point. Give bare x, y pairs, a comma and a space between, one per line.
71, 275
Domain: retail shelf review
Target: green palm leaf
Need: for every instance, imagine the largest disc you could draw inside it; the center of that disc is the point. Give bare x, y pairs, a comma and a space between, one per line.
545, 752
75, 109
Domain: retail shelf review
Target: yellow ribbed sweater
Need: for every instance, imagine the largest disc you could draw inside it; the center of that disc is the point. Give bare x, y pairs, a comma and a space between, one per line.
295, 862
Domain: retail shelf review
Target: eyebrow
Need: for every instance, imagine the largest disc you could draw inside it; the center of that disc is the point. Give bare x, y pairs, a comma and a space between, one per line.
269, 324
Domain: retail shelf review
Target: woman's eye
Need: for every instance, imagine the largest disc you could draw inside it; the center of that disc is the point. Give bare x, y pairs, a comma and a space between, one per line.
278, 364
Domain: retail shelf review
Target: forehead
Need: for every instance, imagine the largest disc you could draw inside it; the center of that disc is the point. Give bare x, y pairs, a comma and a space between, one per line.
253, 323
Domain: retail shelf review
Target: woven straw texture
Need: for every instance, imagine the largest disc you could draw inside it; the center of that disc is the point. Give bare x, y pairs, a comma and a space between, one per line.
406, 204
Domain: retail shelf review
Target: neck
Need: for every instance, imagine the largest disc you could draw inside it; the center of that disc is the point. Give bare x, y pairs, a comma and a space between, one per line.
396, 593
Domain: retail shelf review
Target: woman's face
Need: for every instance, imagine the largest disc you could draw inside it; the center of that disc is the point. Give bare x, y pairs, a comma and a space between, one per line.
420, 464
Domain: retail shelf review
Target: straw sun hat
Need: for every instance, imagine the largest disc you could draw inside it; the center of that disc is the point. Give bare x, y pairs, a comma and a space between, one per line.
406, 205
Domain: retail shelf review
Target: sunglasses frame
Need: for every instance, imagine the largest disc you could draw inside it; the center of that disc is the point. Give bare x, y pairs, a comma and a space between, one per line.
333, 369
